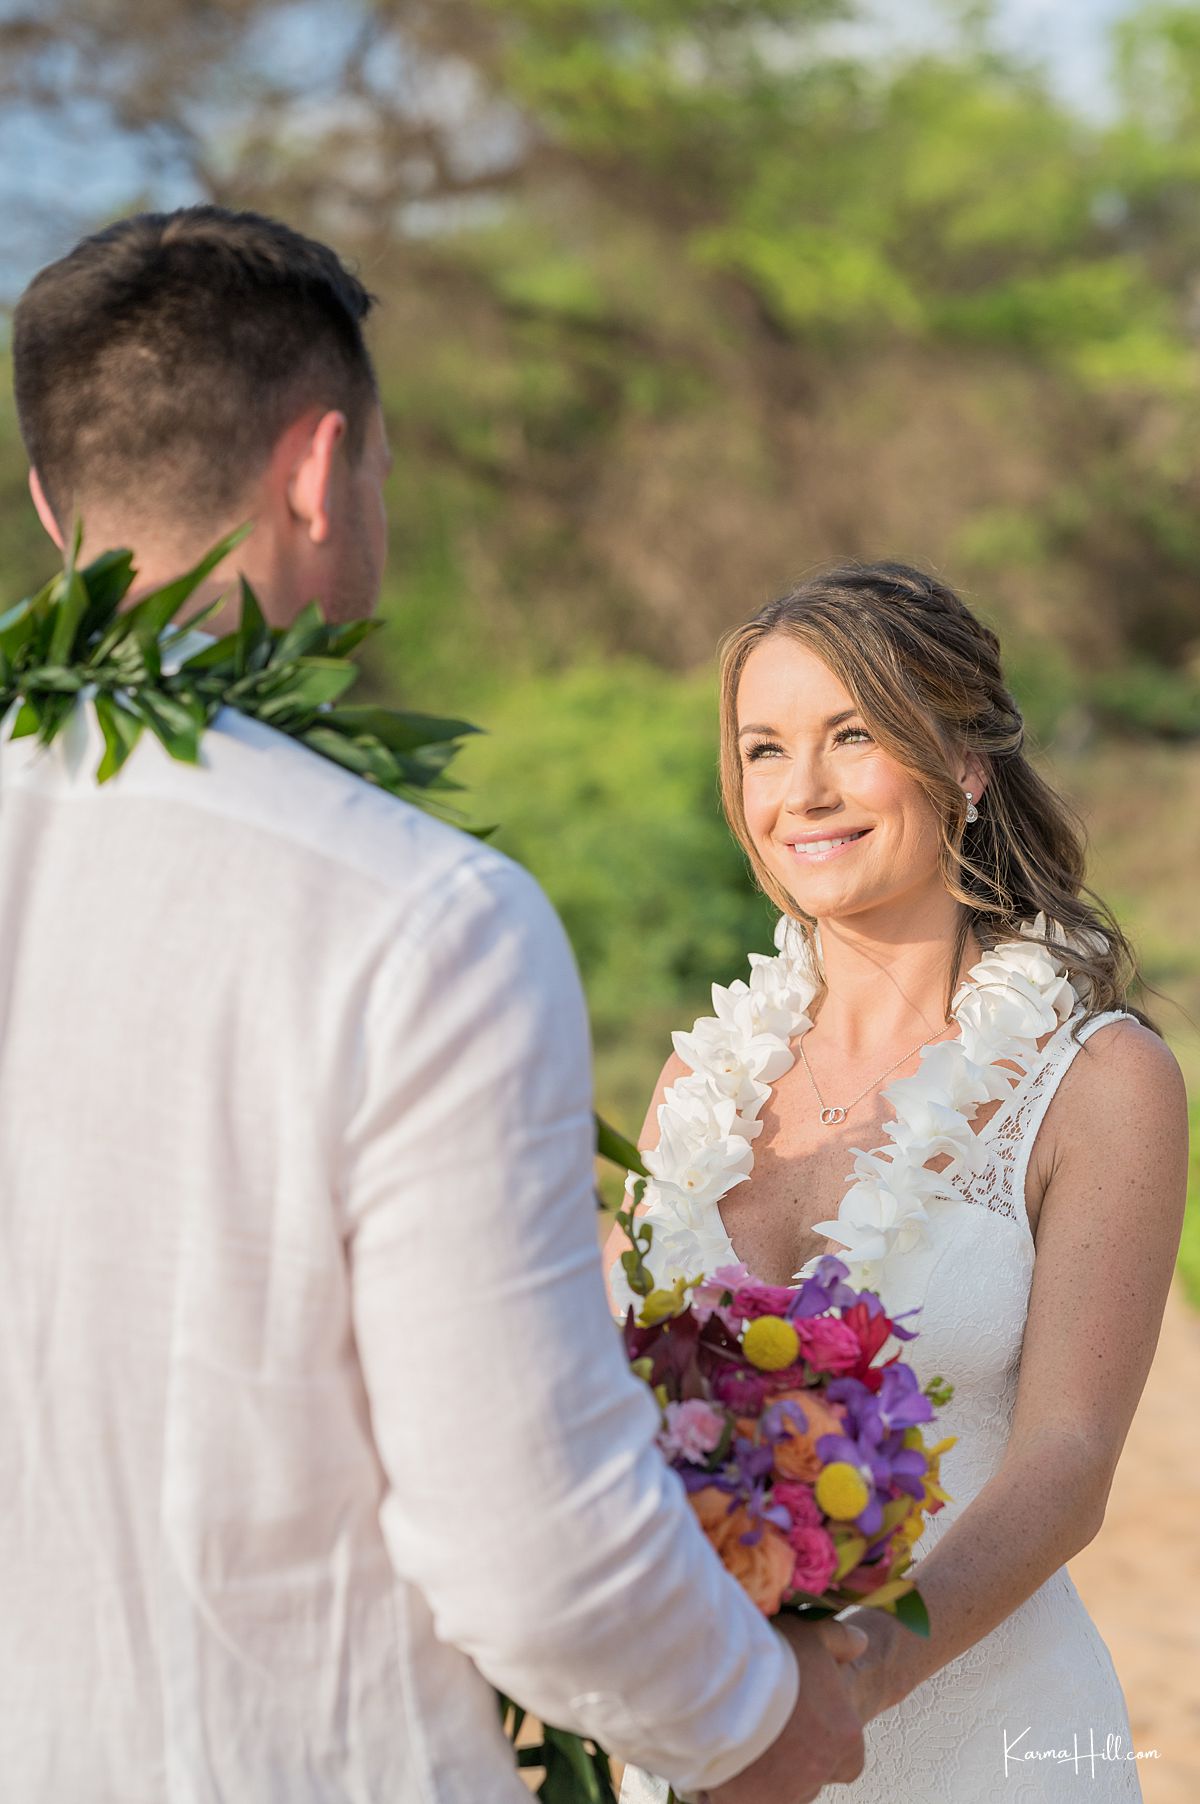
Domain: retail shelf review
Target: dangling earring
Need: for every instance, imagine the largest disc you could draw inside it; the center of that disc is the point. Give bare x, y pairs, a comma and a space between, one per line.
972, 811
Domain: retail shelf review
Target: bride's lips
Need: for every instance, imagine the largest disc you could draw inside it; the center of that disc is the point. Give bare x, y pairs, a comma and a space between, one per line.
817, 848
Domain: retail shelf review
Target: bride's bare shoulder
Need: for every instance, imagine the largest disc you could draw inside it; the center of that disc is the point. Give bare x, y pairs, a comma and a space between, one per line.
1125, 1075
1125, 1052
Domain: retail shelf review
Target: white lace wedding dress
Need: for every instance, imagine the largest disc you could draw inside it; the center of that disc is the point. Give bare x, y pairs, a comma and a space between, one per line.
1043, 1680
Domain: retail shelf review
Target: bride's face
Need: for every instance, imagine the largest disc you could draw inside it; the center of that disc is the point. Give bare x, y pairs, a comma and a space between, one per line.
838, 822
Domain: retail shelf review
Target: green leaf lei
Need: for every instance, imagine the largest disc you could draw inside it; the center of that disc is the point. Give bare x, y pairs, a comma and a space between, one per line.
71, 641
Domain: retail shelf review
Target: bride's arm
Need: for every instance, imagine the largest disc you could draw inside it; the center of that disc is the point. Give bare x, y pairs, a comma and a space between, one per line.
1108, 1235
647, 1140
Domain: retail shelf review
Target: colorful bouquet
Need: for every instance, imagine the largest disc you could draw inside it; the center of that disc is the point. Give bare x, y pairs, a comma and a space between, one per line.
803, 1458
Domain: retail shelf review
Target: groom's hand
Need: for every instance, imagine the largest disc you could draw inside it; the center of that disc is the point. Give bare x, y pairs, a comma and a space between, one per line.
822, 1743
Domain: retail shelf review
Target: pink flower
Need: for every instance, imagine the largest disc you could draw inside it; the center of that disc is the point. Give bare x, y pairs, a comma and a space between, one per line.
799, 1502
693, 1430
827, 1343
706, 1297
754, 1299
740, 1390
816, 1560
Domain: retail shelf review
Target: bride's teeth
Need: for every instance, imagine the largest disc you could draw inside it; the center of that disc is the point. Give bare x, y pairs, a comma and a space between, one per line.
824, 845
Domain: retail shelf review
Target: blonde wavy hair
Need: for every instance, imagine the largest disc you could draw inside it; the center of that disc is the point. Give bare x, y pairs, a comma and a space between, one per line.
926, 676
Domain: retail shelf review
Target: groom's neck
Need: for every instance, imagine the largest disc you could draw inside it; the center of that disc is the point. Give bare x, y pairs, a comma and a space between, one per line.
160, 555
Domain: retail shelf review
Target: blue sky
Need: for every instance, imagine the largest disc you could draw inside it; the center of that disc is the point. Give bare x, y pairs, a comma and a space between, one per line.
57, 174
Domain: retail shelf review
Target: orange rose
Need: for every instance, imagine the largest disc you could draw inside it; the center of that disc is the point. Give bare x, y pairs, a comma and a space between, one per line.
763, 1568
796, 1454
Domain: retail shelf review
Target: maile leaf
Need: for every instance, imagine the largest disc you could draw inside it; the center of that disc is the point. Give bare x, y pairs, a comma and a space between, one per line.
73, 605
108, 579
156, 611
29, 719
309, 684
55, 710
402, 732
16, 627
177, 726
307, 631
121, 730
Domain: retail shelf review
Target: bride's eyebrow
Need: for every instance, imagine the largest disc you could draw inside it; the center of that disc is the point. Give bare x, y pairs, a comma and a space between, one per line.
835, 720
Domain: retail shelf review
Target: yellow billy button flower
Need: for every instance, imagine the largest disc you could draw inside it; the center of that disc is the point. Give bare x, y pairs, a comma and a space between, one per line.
841, 1491
771, 1344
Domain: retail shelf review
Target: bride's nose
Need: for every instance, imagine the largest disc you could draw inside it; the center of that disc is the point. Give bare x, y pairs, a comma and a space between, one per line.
810, 787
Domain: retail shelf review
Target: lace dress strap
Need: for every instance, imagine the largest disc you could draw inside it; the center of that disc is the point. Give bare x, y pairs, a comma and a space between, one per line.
1023, 1122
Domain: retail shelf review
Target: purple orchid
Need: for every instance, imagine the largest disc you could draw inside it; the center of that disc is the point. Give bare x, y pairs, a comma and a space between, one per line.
825, 1289
873, 1440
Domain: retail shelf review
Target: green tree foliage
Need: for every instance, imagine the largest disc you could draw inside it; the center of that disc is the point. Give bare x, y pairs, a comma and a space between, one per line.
604, 781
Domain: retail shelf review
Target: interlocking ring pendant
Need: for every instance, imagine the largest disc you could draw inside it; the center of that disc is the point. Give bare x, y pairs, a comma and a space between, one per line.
832, 1117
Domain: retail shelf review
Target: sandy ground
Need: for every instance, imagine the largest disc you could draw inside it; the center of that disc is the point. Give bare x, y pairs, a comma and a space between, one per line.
1140, 1578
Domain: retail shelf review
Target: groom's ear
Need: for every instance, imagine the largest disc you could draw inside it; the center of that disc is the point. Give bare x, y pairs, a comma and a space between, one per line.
45, 512
312, 459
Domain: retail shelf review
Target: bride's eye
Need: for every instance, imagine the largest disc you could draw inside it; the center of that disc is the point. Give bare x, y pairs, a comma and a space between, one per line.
762, 750
852, 736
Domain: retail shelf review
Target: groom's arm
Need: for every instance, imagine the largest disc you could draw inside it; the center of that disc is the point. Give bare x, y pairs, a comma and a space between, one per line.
527, 1500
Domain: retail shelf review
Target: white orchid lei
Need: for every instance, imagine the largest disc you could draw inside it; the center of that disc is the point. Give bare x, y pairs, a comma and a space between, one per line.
708, 1121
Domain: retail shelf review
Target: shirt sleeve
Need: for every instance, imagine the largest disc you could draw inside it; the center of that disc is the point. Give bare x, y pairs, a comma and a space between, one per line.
526, 1498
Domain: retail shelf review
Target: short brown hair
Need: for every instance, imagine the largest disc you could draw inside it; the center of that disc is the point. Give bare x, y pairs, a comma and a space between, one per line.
168, 352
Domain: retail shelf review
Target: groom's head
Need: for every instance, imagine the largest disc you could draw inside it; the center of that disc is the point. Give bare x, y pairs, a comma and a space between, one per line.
182, 372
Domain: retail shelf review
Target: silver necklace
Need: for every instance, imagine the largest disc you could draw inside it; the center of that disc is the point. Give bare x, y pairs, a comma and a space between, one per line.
833, 1114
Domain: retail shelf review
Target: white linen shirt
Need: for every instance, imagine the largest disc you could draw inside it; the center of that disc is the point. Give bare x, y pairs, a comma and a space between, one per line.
313, 1422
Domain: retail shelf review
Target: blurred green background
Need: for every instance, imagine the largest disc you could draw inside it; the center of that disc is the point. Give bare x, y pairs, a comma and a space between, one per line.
681, 298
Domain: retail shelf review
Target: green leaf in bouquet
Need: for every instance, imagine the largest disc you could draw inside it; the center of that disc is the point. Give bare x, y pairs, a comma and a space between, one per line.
850, 1552
910, 1610
813, 1609
636, 1276
121, 731
894, 1513
613, 1146
572, 1776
